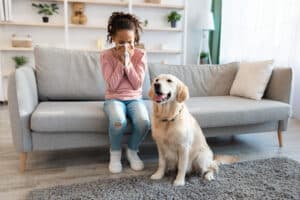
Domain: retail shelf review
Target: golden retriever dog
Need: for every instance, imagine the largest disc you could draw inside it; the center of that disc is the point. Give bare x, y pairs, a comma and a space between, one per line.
180, 141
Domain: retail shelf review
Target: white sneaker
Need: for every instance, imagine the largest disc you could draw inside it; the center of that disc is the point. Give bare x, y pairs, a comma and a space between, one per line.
115, 165
134, 160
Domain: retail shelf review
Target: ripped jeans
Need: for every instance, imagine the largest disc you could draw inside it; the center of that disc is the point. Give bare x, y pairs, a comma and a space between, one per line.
117, 112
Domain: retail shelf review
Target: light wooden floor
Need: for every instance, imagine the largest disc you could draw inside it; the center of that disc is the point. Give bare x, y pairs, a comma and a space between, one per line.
46, 169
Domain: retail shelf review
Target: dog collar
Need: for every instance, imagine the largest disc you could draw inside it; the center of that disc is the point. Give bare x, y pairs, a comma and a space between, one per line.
173, 119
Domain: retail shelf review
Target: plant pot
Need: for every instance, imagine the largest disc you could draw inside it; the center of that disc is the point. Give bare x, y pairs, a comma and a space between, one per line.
203, 61
45, 19
173, 24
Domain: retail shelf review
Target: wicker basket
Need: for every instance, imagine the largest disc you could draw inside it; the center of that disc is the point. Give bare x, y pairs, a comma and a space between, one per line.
21, 42
153, 1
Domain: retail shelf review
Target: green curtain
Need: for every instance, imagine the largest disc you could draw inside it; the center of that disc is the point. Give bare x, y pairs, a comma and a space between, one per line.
215, 36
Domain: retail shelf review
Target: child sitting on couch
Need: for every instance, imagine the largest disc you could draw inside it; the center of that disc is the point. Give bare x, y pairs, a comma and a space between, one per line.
123, 68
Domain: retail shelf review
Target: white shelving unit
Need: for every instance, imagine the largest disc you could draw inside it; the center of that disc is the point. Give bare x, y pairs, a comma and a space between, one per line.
69, 34
154, 51
52, 25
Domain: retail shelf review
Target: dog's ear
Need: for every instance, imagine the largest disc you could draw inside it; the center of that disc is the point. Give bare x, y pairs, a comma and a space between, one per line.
182, 93
151, 93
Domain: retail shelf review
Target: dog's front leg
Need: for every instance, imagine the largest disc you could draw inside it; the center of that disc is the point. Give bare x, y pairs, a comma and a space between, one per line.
161, 165
183, 157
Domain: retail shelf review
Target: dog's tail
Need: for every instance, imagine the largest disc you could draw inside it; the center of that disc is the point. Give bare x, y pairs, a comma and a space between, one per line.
225, 159
217, 161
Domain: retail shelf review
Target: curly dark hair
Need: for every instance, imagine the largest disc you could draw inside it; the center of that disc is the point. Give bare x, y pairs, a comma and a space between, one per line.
120, 21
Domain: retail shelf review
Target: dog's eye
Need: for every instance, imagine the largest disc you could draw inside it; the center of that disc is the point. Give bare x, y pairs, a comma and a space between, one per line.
156, 80
169, 80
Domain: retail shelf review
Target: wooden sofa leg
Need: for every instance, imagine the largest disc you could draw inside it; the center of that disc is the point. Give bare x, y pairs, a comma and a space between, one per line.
279, 135
23, 159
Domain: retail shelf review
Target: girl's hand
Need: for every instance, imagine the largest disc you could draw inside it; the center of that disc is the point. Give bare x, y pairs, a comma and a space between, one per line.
131, 51
119, 54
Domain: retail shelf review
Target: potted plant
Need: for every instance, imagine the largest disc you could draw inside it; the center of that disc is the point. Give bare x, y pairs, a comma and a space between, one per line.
46, 10
203, 58
146, 22
173, 17
20, 61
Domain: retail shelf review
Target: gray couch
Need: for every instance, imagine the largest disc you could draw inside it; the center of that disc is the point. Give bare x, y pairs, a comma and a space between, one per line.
59, 105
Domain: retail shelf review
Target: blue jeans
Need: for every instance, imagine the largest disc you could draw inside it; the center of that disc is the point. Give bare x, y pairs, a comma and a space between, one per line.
117, 112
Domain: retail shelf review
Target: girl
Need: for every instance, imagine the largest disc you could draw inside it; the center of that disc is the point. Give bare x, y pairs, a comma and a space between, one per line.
123, 68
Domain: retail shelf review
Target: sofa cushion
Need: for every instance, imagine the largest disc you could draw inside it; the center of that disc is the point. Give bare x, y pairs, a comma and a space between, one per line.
71, 75
72, 116
221, 111
202, 80
215, 111
146, 85
68, 74
251, 79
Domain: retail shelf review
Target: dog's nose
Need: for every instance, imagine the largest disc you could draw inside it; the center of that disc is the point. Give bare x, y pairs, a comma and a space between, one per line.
157, 86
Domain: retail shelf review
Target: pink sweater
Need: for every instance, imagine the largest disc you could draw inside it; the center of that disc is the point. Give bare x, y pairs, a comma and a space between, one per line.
124, 83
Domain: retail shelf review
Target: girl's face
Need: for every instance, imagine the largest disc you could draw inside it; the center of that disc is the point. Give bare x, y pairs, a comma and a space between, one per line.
124, 38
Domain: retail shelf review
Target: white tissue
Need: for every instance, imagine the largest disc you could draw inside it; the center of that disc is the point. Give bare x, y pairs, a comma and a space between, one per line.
127, 57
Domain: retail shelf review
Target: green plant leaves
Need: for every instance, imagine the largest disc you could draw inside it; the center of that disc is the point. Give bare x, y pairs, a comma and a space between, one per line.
46, 9
20, 60
174, 16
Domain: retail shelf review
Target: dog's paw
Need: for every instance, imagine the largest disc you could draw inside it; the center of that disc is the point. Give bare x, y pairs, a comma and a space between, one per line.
157, 176
178, 183
209, 176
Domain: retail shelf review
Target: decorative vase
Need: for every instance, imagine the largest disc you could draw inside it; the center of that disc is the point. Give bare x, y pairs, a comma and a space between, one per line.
45, 19
173, 24
100, 44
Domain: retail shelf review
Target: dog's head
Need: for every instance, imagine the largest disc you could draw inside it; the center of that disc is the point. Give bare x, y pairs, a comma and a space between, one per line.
168, 88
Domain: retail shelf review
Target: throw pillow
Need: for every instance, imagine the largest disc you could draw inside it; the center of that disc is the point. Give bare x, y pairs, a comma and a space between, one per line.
251, 79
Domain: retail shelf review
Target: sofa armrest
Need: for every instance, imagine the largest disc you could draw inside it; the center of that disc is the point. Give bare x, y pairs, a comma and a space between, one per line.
22, 100
280, 89
280, 85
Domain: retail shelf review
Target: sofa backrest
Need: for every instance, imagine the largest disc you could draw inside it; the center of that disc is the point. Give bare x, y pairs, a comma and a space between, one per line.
76, 75
202, 80
71, 75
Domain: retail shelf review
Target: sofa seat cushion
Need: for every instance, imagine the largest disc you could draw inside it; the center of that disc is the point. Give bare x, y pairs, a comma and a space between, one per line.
71, 116
218, 111
213, 111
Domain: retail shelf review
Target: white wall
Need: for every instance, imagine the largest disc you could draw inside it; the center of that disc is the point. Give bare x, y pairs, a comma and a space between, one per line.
296, 91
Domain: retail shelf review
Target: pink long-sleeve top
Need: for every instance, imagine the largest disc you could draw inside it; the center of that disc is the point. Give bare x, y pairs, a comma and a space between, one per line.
124, 83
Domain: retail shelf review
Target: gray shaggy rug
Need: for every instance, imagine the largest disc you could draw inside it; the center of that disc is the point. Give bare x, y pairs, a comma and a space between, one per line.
274, 178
